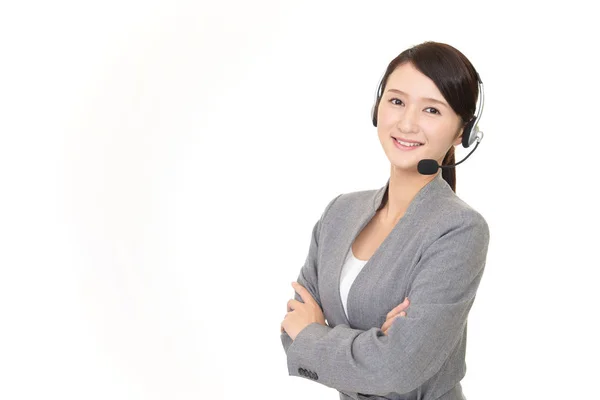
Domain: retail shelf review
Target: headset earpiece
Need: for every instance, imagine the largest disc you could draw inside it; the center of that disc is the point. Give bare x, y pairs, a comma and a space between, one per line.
468, 133
374, 113
471, 132
375, 107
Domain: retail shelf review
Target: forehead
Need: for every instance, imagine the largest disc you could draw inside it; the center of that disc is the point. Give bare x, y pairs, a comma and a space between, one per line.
412, 81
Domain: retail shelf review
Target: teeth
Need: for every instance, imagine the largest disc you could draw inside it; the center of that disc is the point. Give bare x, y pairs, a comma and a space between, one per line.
408, 144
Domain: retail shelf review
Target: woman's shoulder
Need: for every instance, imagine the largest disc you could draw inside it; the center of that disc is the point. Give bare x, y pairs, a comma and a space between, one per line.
458, 221
439, 206
348, 205
353, 203
459, 205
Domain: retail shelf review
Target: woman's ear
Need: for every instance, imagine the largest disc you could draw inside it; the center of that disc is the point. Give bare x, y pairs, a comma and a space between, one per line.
458, 139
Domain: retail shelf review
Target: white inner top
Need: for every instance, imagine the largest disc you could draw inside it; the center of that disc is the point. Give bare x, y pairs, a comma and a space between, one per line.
352, 266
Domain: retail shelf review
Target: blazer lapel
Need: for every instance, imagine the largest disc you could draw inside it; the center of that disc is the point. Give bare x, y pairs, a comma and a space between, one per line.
358, 218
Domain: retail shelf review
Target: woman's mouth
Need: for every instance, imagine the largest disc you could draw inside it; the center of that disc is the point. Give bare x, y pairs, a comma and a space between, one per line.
405, 145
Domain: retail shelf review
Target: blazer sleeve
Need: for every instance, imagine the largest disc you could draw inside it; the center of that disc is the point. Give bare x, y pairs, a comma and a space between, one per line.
441, 294
308, 272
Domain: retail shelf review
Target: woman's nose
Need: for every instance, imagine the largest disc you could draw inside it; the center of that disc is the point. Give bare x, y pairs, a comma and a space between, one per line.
408, 120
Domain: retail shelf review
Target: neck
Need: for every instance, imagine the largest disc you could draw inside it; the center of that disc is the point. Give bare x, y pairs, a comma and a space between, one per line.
403, 187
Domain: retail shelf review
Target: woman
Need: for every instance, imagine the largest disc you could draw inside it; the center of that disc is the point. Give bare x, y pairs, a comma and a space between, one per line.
382, 301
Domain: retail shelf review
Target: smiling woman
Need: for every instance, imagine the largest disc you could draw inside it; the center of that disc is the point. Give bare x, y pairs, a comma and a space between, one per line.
433, 88
412, 242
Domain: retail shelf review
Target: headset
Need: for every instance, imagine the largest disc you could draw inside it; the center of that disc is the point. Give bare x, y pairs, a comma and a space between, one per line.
471, 132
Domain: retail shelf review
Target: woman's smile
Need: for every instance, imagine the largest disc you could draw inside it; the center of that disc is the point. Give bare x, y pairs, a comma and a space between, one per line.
405, 146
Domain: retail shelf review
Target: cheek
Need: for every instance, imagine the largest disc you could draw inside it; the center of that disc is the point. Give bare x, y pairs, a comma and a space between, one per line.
385, 124
382, 132
384, 119
439, 131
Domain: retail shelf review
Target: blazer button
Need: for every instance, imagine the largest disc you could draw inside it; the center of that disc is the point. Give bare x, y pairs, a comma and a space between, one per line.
302, 371
316, 376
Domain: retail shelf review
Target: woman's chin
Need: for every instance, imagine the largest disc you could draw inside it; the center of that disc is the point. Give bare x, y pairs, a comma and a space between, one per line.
405, 165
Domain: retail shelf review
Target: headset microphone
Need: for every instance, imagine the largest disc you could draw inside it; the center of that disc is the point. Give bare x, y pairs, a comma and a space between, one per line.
430, 166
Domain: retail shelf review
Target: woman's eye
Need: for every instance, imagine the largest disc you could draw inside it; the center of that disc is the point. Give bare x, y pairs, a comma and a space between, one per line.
399, 102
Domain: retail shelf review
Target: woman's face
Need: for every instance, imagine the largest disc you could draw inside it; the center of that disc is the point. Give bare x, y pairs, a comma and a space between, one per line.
412, 108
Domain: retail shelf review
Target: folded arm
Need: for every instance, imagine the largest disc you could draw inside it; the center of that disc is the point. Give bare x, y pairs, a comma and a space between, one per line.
308, 272
446, 280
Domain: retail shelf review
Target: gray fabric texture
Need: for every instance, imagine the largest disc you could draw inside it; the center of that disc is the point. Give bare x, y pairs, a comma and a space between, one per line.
435, 255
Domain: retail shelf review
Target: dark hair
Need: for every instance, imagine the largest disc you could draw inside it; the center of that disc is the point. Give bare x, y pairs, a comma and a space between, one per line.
454, 76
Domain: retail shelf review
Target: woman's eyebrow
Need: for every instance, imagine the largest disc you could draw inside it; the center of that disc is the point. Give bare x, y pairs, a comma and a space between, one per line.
424, 98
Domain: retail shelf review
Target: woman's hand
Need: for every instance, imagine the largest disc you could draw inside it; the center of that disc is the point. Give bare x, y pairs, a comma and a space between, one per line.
397, 311
300, 315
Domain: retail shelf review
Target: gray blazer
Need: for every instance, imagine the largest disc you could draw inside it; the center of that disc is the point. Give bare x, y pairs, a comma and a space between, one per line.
435, 255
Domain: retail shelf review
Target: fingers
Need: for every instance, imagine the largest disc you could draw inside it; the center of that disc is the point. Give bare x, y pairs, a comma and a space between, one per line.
388, 322
302, 291
397, 311
386, 326
400, 307
292, 304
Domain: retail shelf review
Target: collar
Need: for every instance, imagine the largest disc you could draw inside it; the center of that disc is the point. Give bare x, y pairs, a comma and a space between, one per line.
433, 187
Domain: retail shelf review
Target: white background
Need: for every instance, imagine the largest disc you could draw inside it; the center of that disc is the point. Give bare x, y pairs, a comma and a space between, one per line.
162, 164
